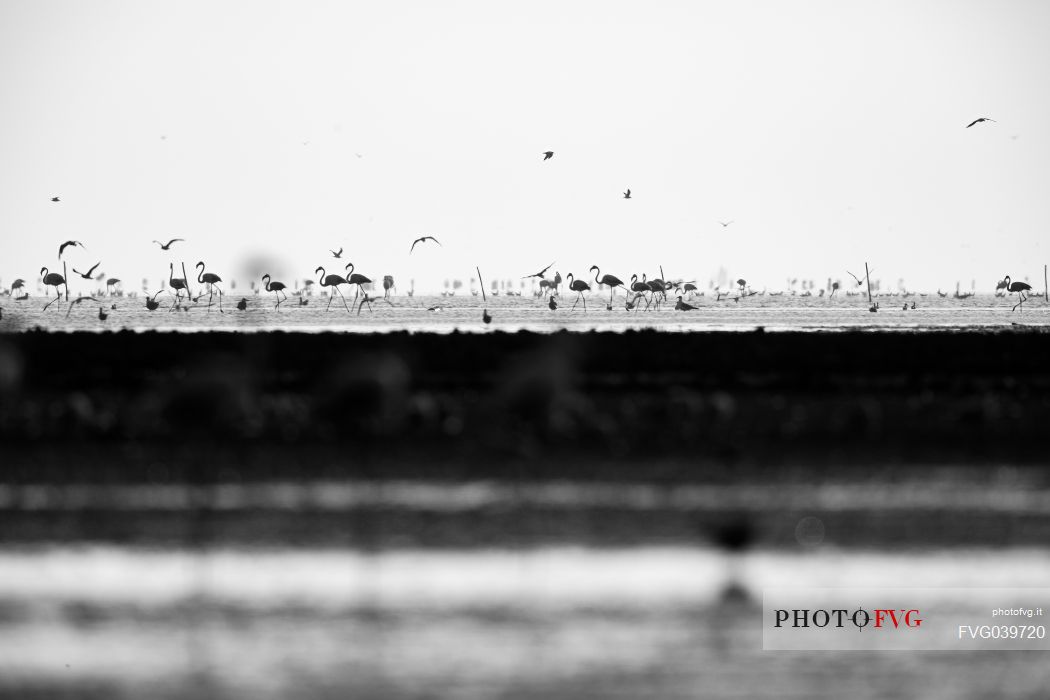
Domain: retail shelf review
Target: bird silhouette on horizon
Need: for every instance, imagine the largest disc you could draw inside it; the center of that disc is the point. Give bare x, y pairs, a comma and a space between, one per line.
87, 275
65, 245
978, 121
423, 239
167, 246
540, 273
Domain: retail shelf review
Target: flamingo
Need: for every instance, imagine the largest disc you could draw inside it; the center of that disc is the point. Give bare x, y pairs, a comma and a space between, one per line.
1020, 288
16, 285
578, 286
211, 279
332, 281
611, 281
358, 279
275, 287
639, 289
52, 279
111, 284
178, 284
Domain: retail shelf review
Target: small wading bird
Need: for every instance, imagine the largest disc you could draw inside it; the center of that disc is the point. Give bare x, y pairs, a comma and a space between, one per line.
275, 287
547, 155
978, 121
423, 239
627, 194
1020, 288
578, 286
682, 306
332, 281
242, 305
540, 273
52, 279
167, 246
335, 254
66, 245
211, 279
151, 302
552, 304
87, 275
102, 315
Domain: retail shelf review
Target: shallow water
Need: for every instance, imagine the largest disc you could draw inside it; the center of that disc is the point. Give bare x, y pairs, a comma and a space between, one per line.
463, 314
562, 622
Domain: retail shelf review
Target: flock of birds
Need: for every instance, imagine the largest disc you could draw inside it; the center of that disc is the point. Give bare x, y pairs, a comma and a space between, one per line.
652, 292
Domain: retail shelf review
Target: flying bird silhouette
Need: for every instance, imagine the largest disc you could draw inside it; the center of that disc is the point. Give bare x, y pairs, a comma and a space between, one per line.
66, 245
55, 199
978, 121
335, 254
547, 155
423, 240
627, 194
725, 223
540, 273
167, 246
87, 275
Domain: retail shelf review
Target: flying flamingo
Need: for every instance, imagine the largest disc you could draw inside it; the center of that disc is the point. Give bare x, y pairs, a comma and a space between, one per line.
357, 279
52, 279
275, 287
610, 281
211, 279
578, 286
332, 281
1020, 288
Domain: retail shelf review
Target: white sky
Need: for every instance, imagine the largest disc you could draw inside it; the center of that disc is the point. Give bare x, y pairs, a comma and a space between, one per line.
830, 132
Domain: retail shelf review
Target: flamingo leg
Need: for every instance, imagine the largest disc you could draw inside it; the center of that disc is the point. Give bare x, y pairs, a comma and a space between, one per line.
330, 297
344, 300
220, 301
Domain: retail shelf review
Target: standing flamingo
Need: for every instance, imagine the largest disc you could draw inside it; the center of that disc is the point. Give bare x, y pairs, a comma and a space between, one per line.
178, 284
357, 279
211, 279
610, 281
52, 279
332, 281
275, 287
578, 286
1020, 288
640, 289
